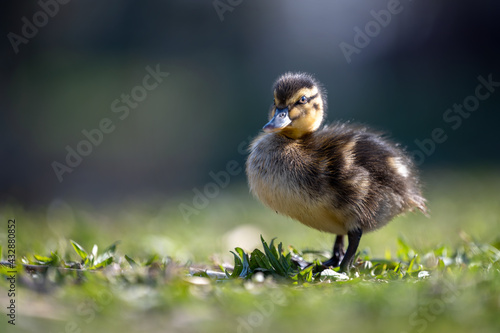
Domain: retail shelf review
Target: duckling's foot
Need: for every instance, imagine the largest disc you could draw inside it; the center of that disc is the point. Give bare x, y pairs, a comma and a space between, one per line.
354, 237
338, 253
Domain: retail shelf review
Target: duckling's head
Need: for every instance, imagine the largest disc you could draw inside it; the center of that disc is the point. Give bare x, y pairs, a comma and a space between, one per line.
299, 105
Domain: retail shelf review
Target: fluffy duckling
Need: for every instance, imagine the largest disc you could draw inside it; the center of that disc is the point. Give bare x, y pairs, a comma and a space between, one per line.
343, 179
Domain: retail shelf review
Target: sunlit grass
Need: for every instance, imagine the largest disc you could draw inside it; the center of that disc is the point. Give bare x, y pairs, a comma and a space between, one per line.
417, 274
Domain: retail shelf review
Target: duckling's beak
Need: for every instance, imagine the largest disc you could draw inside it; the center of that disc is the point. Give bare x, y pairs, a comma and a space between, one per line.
279, 121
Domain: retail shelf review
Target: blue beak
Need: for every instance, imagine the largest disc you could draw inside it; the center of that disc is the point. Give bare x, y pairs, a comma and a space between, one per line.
279, 121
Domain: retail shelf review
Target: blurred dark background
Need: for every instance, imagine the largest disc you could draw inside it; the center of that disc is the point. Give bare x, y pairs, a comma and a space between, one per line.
222, 58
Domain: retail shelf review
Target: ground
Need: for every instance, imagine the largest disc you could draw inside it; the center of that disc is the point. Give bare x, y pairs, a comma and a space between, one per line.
418, 274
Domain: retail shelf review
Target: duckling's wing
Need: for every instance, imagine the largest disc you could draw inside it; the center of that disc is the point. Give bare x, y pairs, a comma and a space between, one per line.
368, 174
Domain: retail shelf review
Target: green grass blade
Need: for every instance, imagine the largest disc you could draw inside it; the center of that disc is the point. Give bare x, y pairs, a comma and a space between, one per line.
112, 248
79, 250
272, 247
238, 266
131, 261
272, 258
42, 260
413, 266
259, 260
151, 260
104, 259
103, 263
246, 266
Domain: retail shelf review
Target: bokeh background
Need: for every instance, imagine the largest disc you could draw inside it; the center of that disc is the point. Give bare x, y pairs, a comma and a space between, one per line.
222, 58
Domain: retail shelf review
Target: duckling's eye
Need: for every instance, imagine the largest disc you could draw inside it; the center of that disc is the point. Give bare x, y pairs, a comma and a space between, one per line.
303, 100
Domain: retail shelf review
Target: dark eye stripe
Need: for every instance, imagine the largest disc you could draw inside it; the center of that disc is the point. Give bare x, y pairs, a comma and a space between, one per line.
308, 99
312, 97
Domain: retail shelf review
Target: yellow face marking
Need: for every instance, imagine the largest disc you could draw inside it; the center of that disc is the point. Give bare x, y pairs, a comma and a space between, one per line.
294, 113
308, 92
305, 117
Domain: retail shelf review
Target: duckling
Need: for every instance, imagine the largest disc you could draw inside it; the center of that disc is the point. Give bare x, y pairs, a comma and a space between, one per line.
343, 179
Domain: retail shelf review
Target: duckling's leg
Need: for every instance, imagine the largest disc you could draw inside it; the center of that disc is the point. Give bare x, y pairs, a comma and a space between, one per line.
338, 253
354, 237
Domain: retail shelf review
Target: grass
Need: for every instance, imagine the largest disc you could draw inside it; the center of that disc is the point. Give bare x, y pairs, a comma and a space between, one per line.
151, 270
